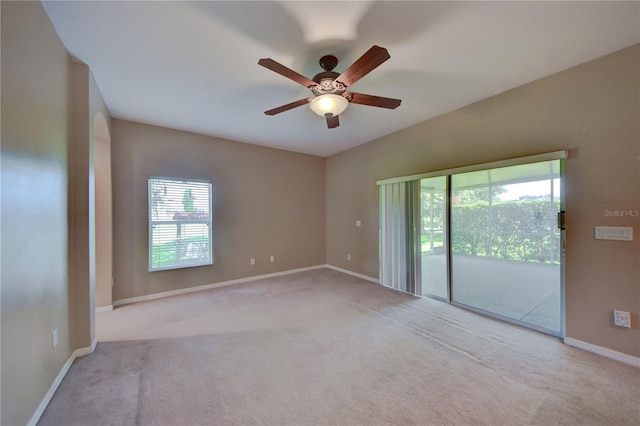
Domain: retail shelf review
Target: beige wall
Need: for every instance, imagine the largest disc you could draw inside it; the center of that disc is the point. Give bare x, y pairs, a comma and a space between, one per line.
48, 249
81, 210
36, 73
603, 173
104, 262
87, 103
265, 201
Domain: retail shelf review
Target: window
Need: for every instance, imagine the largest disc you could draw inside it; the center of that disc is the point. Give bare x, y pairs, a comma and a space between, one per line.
180, 227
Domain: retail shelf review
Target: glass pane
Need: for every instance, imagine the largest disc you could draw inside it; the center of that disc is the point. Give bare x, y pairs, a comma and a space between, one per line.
194, 242
163, 245
179, 223
433, 237
505, 245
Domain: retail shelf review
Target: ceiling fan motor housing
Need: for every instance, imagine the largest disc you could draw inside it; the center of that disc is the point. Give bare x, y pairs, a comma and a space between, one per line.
327, 79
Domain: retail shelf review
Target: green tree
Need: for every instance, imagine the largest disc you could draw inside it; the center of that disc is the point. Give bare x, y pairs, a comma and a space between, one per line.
158, 192
471, 196
187, 201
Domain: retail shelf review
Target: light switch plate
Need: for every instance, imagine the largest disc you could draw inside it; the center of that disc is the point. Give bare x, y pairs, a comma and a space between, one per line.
618, 233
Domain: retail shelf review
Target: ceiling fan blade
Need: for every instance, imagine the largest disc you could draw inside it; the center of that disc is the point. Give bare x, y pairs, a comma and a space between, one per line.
287, 72
376, 101
333, 122
287, 107
364, 65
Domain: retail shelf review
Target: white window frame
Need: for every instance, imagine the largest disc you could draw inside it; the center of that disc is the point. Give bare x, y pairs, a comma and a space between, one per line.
180, 222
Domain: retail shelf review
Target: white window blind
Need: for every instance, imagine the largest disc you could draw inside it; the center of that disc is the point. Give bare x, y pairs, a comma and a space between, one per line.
180, 227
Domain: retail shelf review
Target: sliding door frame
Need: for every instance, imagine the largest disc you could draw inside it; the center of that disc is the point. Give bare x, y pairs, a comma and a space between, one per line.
414, 278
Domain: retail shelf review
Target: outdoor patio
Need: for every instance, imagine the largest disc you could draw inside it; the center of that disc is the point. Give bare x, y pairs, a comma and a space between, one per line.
523, 291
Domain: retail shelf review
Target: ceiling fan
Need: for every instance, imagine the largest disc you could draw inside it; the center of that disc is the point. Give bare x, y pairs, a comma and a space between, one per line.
330, 96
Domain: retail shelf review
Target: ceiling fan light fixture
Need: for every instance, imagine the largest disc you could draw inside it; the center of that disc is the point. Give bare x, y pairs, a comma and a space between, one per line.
328, 104
330, 97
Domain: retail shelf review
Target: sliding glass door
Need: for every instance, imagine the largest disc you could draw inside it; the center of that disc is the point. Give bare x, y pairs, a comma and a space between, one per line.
505, 244
433, 237
482, 237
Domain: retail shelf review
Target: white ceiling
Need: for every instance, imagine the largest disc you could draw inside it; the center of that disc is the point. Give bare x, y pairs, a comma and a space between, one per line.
193, 65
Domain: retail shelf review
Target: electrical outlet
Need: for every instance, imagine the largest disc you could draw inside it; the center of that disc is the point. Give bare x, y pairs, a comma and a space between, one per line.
252, 261
622, 318
348, 257
54, 338
272, 259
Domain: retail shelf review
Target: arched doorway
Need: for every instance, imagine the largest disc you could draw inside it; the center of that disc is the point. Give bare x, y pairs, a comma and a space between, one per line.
103, 212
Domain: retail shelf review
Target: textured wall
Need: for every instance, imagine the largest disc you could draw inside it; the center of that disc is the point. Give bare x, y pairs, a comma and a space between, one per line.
602, 173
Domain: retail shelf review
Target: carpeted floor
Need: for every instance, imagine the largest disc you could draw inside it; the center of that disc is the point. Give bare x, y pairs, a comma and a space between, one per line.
325, 348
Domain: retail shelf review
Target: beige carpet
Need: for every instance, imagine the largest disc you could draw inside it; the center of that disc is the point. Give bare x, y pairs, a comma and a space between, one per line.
324, 348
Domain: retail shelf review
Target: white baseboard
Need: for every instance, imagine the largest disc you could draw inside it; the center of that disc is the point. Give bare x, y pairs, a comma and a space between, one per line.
606, 352
56, 383
164, 294
106, 308
86, 351
355, 274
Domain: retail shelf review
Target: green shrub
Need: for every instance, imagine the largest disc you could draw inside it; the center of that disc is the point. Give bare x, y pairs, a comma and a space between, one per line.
164, 254
516, 230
